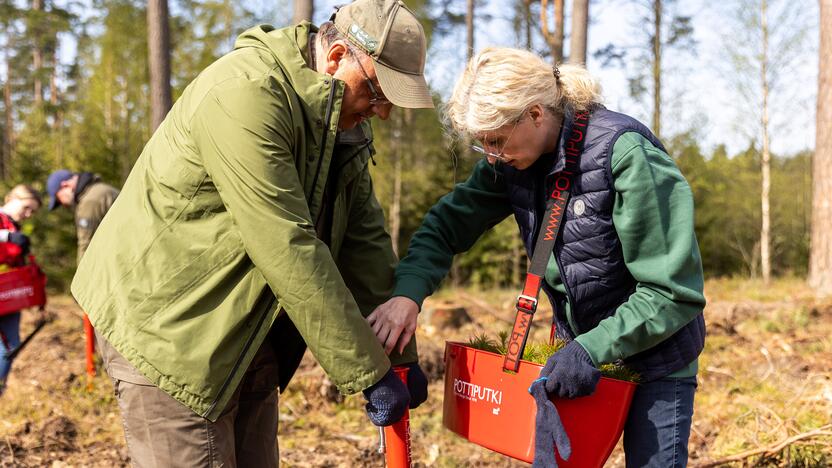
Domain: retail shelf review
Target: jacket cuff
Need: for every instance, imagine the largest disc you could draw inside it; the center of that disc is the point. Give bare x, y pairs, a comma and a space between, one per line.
408, 355
412, 287
594, 348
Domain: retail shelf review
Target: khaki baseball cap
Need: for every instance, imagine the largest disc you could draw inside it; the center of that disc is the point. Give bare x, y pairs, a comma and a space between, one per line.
389, 33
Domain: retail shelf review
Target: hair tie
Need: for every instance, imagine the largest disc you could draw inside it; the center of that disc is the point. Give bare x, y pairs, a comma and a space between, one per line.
556, 72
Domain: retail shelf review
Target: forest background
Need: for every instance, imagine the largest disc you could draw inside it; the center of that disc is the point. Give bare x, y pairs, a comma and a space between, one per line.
77, 94
736, 89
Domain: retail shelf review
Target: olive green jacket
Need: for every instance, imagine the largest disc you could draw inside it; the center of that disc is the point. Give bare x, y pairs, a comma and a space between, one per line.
213, 236
93, 203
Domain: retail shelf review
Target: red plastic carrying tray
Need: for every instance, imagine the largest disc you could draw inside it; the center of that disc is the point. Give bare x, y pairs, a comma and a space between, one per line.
21, 288
494, 409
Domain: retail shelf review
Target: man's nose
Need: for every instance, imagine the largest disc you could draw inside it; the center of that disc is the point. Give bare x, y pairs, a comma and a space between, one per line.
383, 111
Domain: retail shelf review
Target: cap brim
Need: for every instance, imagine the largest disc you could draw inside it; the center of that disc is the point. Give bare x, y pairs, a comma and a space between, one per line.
404, 89
53, 203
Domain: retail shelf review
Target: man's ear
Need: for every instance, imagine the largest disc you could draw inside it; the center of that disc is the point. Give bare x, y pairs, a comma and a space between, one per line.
66, 183
337, 52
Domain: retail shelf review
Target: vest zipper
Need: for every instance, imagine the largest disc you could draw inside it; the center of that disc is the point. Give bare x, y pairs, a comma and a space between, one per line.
568, 312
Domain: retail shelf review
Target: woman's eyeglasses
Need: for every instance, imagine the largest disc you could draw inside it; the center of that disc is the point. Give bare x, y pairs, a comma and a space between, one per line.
488, 154
498, 156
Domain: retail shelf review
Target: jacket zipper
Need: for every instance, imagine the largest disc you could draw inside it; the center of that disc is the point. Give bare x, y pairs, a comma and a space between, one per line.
337, 173
266, 292
361, 148
327, 121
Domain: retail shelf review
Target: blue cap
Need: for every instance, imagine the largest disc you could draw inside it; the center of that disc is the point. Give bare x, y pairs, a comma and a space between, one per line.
53, 184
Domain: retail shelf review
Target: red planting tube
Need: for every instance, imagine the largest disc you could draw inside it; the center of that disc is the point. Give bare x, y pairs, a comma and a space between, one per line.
397, 436
90, 351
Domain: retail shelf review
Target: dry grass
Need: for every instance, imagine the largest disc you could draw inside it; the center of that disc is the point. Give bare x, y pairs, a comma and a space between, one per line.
764, 377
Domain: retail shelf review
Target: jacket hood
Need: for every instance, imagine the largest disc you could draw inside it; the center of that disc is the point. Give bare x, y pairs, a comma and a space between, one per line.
290, 49
85, 180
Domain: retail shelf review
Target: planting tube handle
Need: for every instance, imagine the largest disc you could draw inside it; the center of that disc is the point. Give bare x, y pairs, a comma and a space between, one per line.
397, 435
547, 236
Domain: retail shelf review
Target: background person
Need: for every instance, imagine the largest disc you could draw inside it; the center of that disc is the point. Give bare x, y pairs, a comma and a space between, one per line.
21, 203
625, 277
89, 199
87, 196
247, 230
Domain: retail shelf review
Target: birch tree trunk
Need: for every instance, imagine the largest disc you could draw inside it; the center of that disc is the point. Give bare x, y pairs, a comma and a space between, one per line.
469, 29
37, 59
8, 140
657, 68
302, 10
820, 254
58, 118
396, 202
765, 243
158, 42
527, 16
580, 26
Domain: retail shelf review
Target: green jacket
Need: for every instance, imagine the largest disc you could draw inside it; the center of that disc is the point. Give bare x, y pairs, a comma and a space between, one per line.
213, 236
92, 203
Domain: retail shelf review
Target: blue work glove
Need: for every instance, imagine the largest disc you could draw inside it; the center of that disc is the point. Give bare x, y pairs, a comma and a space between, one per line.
21, 240
417, 384
570, 372
387, 400
549, 431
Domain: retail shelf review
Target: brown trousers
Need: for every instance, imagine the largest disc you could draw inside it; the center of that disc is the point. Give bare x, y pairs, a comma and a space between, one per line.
161, 432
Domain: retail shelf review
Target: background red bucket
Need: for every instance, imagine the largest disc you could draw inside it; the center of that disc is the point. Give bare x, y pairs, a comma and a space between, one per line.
494, 409
21, 288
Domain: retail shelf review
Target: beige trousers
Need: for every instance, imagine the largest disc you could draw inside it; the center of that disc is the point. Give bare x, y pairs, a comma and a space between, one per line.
161, 432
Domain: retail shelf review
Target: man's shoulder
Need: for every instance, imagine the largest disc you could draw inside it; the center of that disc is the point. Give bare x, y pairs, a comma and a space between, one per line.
97, 193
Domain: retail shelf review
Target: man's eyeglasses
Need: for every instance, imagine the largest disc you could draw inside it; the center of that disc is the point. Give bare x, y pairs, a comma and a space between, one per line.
376, 99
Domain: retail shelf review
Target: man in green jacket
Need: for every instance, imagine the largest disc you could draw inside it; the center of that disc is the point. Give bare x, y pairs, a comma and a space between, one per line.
247, 230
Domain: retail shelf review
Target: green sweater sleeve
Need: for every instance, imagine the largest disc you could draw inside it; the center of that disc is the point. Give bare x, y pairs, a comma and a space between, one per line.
367, 260
653, 216
451, 226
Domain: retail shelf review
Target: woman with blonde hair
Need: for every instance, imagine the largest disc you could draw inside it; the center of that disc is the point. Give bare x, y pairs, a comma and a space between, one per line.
21, 203
598, 190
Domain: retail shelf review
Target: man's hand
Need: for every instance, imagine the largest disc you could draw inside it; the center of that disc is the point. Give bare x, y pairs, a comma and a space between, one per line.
417, 385
394, 322
21, 240
387, 400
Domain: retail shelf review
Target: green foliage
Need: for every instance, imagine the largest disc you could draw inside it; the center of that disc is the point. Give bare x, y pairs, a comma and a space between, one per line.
98, 121
539, 353
726, 193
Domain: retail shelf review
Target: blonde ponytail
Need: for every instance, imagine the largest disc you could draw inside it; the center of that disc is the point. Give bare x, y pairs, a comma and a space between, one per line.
500, 83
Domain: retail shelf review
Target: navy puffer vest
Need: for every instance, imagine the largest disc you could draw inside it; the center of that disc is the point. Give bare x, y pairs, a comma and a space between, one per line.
588, 251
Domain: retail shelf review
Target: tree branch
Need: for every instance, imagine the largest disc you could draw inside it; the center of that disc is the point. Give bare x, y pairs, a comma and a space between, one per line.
771, 450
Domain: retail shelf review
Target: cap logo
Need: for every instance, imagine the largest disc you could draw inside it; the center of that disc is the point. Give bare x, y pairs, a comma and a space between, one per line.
363, 38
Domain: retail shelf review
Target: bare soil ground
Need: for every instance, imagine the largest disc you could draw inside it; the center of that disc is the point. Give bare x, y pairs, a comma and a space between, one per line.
765, 384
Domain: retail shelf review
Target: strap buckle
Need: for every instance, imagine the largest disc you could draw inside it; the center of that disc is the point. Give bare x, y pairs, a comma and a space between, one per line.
526, 303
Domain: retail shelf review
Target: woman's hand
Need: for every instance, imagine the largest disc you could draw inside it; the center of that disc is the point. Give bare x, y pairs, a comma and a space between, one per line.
394, 322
